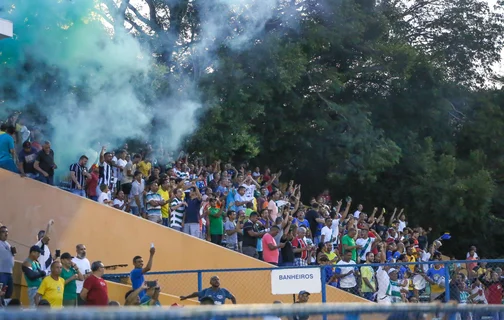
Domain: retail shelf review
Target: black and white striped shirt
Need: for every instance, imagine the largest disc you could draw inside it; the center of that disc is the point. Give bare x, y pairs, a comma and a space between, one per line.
79, 170
177, 216
105, 174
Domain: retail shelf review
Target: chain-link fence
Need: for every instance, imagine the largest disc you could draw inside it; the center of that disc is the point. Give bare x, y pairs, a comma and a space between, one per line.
326, 311
464, 282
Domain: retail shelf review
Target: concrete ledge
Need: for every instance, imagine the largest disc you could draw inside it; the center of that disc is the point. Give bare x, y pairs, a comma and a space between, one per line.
6, 29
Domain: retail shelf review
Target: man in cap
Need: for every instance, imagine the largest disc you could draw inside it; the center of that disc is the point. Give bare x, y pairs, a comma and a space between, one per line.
33, 273
303, 297
70, 273
218, 294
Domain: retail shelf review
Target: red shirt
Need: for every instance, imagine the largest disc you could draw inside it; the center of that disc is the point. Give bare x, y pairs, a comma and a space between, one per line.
97, 291
92, 184
494, 293
299, 243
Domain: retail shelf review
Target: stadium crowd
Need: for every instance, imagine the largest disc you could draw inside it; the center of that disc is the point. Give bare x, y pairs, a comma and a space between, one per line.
244, 209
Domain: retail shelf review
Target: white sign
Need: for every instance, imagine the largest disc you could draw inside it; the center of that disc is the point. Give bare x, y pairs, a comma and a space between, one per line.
292, 281
6, 29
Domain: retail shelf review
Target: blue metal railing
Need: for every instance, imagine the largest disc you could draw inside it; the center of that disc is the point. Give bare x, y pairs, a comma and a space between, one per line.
200, 272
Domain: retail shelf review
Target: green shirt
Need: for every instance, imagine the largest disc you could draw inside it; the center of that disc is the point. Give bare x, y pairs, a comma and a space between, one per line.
216, 223
70, 292
35, 266
349, 242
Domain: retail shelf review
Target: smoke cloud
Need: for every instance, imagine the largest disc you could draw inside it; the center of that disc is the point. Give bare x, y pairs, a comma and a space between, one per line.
93, 85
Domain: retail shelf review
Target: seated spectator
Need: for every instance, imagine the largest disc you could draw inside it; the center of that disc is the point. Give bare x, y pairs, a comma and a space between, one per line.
121, 202
151, 297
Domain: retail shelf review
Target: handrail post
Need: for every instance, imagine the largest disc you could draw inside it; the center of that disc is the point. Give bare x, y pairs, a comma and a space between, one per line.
324, 293
200, 280
447, 281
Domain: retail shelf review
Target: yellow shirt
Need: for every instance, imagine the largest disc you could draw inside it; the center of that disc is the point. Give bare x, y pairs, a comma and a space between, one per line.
411, 259
331, 255
165, 210
144, 168
52, 291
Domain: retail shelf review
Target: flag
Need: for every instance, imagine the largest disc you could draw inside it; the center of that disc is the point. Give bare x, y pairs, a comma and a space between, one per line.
445, 236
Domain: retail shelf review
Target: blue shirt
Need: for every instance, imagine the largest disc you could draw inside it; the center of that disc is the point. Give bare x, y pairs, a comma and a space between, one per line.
146, 300
192, 213
435, 275
137, 280
230, 200
303, 223
329, 273
219, 296
6, 145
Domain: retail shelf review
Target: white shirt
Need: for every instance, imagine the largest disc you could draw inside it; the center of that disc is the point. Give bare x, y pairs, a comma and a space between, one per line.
327, 233
84, 266
402, 225
46, 255
356, 214
121, 163
425, 257
419, 282
384, 288
475, 255
119, 203
102, 197
137, 189
335, 230
480, 291
249, 191
345, 267
362, 242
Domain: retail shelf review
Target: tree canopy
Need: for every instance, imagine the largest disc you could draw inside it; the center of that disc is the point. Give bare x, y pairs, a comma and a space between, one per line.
391, 102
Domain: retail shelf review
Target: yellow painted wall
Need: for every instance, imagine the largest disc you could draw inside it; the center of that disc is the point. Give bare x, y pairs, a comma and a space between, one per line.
115, 237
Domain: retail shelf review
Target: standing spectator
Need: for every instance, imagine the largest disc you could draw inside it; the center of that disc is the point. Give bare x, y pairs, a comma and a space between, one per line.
240, 200
346, 272
232, 230
154, 203
45, 258
79, 174
300, 220
301, 248
8, 156
92, 182
129, 174
164, 192
358, 211
137, 194
218, 294
366, 242
26, 159
71, 273
44, 163
137, 274
52, 287
368, 286
348, 243
120, 164
192, 212
287, 251
105, 170
250, 235
177, 207
384, 292
326, 232
84, 266
216, 221
145, 167
7, 253
94, 291
33, 274
272, 206
314, 220
270, 247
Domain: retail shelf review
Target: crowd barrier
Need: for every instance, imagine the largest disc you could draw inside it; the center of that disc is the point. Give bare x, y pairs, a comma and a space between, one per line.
185, 282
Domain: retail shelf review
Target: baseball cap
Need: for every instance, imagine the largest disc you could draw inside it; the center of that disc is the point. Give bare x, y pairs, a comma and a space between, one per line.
392, 270
35, 249
66, 255
26, 144
303, 292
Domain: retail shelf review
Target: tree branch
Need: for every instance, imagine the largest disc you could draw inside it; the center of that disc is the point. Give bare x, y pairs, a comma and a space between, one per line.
148, 22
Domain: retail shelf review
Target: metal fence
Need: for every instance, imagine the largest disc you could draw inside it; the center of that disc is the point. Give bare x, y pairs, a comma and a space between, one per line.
467, 282
327, 311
